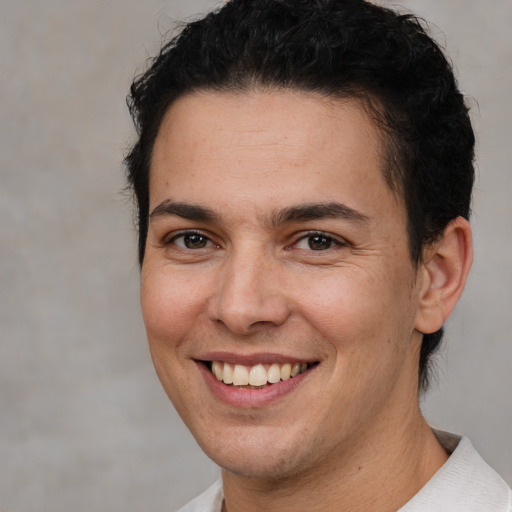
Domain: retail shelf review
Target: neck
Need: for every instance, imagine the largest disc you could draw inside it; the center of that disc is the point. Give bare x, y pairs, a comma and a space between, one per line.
383, 473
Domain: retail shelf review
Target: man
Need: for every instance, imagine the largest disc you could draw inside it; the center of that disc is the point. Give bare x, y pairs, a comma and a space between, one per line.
303, 177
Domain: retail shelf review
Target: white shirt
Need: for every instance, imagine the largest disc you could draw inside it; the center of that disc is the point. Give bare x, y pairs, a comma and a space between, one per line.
465, 483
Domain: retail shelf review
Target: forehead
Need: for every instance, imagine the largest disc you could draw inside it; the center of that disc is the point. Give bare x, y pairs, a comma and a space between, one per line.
267, 145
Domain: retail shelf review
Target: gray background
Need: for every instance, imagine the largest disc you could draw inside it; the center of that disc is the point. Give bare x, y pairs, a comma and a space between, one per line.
84, 424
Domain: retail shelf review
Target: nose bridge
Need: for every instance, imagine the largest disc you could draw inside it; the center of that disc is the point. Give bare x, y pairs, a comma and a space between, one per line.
249, 292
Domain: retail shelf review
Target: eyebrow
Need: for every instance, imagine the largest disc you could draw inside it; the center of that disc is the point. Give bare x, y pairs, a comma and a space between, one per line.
185, 211
299, 213
317, 211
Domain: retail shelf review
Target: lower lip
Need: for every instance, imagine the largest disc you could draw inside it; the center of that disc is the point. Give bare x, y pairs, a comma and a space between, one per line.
250, 398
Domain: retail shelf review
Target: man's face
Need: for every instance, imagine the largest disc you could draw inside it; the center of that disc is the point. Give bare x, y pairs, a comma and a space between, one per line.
274, 240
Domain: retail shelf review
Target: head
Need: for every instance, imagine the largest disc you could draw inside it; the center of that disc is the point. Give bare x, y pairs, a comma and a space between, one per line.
350, 50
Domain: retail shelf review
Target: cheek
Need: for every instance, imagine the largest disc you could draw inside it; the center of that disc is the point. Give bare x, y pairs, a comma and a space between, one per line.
360, 313
170, 315
170, 306
342, 302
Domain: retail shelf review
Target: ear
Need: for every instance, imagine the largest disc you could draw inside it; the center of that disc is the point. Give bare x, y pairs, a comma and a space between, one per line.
444, 270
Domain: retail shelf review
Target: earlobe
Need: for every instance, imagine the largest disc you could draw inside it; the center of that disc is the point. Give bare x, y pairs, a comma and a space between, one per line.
444, 270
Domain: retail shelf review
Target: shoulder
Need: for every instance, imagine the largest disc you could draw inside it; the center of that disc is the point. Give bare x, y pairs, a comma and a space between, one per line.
209, 501
464, 483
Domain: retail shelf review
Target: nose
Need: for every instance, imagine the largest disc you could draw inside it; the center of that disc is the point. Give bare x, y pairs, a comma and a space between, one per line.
249, 295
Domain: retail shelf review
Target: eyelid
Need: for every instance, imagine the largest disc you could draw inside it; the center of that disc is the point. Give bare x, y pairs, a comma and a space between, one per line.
338, 241
172, 237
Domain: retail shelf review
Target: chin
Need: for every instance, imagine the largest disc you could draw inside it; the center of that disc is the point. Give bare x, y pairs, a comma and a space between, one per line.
273, 468
261, 457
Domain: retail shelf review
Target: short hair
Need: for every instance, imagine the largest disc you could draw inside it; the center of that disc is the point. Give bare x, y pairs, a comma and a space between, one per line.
341, 49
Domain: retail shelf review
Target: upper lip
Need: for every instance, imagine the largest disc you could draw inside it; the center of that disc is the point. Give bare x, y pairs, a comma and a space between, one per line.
252, 359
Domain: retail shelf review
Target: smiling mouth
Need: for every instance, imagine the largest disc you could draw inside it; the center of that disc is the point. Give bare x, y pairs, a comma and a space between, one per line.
257, 376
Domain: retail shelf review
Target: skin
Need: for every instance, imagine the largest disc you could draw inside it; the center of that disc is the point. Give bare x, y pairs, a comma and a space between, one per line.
350, 435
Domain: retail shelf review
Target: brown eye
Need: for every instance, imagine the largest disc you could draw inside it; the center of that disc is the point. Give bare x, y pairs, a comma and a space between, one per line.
317, 241
191, 241
320, 242
195, 241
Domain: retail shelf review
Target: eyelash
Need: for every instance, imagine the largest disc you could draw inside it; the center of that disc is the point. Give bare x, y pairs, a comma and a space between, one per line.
183, 235
333, 242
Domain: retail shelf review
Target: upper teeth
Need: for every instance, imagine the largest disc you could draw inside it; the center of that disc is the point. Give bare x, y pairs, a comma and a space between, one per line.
257, 375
